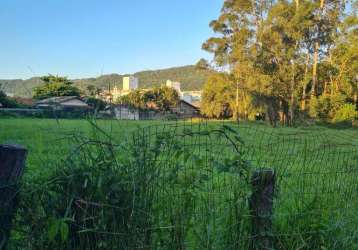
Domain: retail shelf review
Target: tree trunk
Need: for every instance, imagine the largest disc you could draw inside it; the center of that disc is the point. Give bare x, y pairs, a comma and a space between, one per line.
271, 114
292, 104
315, 55
314, 72
303, 104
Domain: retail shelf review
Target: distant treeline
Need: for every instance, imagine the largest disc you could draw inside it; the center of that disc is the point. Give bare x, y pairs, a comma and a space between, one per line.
190, 77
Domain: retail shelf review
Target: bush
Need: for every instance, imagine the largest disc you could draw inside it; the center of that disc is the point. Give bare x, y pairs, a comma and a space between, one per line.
327, 108
346, 113
320, 107
6, 102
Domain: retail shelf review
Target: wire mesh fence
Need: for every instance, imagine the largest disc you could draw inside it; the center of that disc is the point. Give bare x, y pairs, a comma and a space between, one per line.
188, 185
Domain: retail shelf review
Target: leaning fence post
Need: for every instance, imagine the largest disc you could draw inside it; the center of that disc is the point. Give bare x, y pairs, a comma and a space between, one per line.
12, 163
261, 208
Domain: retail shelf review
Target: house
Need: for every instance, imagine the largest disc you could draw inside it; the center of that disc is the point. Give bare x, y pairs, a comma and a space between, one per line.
66, 103
191, 96
186, 109
24, 101
121, 112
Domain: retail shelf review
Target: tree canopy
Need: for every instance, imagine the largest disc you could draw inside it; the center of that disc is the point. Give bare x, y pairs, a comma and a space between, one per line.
55, 86
159, 98
285, 55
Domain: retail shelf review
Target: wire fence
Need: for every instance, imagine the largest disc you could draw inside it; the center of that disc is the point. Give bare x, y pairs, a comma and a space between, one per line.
189, 185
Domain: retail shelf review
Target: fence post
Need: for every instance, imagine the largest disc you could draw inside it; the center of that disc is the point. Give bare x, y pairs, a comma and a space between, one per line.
261, 203
12, 163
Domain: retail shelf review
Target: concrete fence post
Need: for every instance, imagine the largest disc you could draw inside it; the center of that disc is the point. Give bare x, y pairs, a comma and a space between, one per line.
12, 163
261, 208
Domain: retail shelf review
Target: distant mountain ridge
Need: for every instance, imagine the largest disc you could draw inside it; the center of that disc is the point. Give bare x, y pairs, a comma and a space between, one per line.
190, 77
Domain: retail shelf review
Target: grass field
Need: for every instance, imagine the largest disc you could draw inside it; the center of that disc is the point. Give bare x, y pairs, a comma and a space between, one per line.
316, 167
47, 140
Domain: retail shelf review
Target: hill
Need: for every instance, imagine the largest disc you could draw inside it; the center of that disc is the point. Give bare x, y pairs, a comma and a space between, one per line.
190, 77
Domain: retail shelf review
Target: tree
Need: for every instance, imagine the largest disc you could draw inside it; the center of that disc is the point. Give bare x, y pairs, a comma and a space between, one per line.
134, 99
217, 97
92, 90
202, 64
55, 86
267, 47
160, 98
7, 102
164, 98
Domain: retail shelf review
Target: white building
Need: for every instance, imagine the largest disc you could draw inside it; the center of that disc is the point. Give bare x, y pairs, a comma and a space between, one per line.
130, 83
174, 85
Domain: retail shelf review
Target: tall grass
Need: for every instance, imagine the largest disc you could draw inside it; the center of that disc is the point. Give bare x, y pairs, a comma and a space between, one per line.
186, 186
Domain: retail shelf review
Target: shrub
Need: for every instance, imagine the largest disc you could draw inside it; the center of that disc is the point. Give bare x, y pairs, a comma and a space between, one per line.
327, 107
345, 113
320, 107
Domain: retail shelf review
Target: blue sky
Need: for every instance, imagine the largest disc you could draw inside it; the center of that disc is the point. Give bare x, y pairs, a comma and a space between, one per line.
83, 38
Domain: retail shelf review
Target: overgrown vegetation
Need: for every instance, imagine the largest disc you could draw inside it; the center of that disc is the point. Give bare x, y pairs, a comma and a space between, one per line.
115, 195
181, 185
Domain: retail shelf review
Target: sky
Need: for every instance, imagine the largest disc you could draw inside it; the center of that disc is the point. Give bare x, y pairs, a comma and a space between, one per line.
87, 38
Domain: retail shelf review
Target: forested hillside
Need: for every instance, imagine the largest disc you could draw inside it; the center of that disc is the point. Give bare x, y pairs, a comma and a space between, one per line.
190, 77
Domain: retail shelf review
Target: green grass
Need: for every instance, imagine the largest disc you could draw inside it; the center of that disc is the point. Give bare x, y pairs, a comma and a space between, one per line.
48, 140
315, 205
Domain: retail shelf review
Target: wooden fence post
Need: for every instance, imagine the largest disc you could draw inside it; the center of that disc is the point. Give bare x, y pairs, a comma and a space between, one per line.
261, 208
12, 163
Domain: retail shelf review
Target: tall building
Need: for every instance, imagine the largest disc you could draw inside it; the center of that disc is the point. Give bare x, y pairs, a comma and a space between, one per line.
130, 83
174, 85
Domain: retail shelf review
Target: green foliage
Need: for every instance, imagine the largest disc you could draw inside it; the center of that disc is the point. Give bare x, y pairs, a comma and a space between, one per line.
207, 191
320, 107
190, 77
326, 107
217, 97
135, 99
159, 98
164, 98
267, 47
92, 90
7, 102
91, 200
346, 113
202, 64
55, 86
